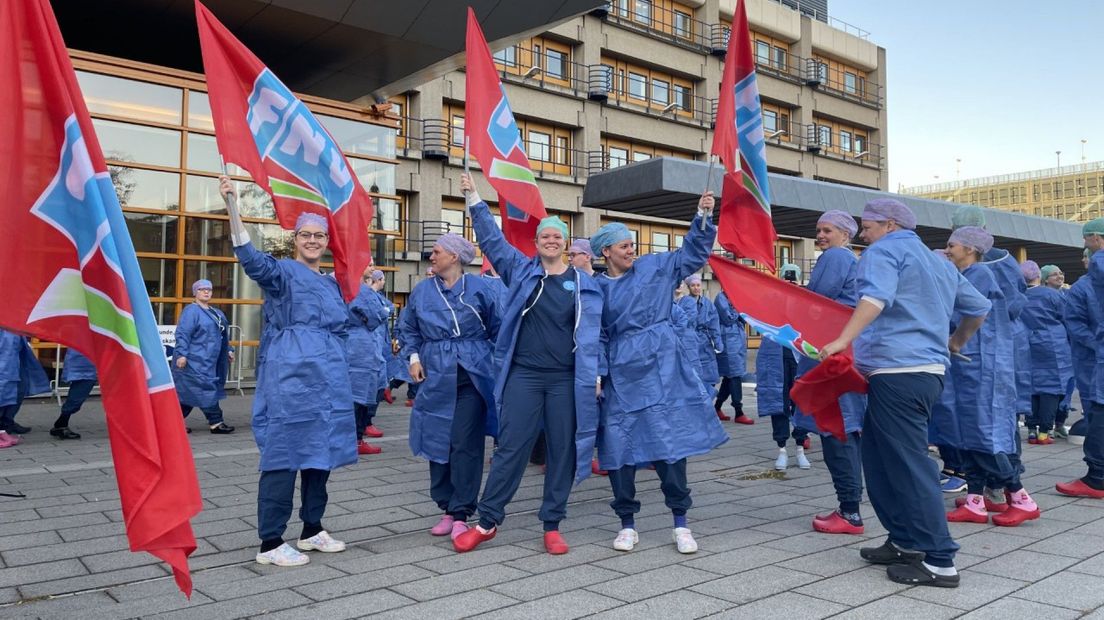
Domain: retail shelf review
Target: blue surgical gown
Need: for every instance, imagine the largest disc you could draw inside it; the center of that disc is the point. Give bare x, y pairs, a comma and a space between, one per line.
303, 408
769, 379
655, 407
202, 337
367, 313
449, 329
920, 294
77, 367
1051, 360
732, 361
833, 276
522, 275
977, 410
685, 335
381, 341
1096, 273
20, 373
1082, 317
703, 318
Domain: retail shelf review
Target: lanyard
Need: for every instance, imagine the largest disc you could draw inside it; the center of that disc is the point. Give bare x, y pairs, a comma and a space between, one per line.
463, 289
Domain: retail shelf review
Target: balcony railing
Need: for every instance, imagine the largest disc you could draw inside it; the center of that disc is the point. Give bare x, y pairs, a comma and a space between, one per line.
545, 68
659, 22
819, 75
850, 148
646, 96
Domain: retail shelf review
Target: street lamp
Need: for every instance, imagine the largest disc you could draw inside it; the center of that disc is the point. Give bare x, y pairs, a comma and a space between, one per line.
1058, 154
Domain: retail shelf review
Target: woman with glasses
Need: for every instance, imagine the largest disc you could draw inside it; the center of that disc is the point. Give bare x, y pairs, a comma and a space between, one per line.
368, 314
447, 331
549, 353
201, 358
303, 409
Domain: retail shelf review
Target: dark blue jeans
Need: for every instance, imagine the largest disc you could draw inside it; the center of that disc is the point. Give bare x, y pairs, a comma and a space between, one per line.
275, 494
730, 387
781, 430
78, 393
844, 461
213, 414
1094, 443
533, 399
993, 470
901, 480
454, 485
1044, 411
672, 481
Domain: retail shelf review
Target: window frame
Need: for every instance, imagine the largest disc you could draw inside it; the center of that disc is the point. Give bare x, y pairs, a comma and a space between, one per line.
546, 146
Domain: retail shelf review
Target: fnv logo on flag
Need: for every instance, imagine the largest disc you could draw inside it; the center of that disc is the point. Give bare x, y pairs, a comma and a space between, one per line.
745, 226
496, 144
264, 128
71, 276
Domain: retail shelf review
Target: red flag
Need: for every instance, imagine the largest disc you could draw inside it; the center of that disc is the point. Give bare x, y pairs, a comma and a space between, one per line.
71, 276
817, 392
262, 127
745, 226
496, 143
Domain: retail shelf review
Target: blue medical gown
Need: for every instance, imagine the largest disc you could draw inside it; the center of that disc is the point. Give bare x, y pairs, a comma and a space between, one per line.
521, 275
1051, 360
303, 408
732, 361
920, 291
20, 373
655, 407
448, 328
368, 311
704, 320
1007, 273
833, 277
1082, 317
769, 379
202, 337
381, 340
977, 409
1096, 273
684, 333
77, 367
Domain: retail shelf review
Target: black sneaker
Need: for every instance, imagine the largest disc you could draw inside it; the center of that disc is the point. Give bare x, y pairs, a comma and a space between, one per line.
64, 433
888, 553
222, 429
916, 574
18, 429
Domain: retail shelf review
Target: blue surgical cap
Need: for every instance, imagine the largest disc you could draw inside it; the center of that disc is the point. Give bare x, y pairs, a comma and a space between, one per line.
841, 220
1030, 270
198, 284
885, 209
306, 218
973, 237
610, 234
377, 275
455, 244
693, 278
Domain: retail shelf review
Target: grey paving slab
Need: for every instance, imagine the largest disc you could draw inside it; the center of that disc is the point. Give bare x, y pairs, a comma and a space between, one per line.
900, 608
739, 560
764, 582
679, 604
1071, 590
640, 586
438, 586
366, 604
92, 581
784, 606
44, 571
450, 607
854, 588
1025, 565
1012, 607
976, 590
566, 606
255, 605
274, 578
555, 582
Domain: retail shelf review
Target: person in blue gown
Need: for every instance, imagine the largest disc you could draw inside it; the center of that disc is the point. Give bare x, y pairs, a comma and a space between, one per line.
907, 296
1081, 316
20, 376
368, 313
1051, 360
1092, 483
548, 349
833, 276
80, 374
303, 409
201, 358
775, 371
978, 416
1053, 277
731, 361
448, 329
655, 408
703, 317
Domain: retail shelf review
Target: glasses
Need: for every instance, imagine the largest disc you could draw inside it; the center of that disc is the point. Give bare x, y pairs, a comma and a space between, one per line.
307, 236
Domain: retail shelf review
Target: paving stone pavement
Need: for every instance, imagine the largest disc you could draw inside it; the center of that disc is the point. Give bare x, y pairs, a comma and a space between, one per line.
63, 553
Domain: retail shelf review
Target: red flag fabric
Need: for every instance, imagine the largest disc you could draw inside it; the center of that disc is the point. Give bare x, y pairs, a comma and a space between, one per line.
264, 128
745, 226
71, 276
817, 392
495, 141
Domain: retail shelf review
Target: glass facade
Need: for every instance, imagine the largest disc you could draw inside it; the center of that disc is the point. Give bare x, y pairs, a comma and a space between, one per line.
158, 139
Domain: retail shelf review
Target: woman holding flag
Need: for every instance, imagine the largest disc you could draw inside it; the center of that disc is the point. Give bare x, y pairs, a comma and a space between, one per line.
549, 354
655, 409
303, 410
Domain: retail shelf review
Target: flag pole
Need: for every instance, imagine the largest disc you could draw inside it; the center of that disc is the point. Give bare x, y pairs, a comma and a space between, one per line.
467, 159
229, 199
708, 182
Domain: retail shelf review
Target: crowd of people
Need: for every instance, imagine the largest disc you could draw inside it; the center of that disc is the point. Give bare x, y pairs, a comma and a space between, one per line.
960, 347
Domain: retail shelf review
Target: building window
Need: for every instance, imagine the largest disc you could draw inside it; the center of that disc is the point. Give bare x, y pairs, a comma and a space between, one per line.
822, 72
850, 83
618, 157
622, 7
682, 25
683, 98
644, 11
557, 61
860, 144
678, 241
661, 91
457, 130
562, 146
780, 58
770, 121
507, 57
540, 146
661, 242
620, 85
641, 156
762, 52
824, 135
784, 124
845, 141
537, 58
862, 86
638, 85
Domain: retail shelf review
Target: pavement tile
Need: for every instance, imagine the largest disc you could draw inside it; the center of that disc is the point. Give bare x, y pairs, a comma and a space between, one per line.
854, 588
784, 606
255, 605
975, 590
993, 542
1071, 590
44, 571
640, 586
1025, 565
739, 560
679, 604
92, 581
450, 607
565, 606
437, 586
485, 555
764, 582
1070, 544
554, 582
271, 578
362, 605
1012, 607
900, 607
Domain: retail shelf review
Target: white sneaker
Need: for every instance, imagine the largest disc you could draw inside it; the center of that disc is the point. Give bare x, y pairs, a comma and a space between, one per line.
782, 461
685, 540
626, 539
321, 541
284, 555
802, 462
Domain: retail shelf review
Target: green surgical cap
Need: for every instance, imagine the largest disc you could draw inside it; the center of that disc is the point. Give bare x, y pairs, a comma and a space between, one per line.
1093, 227
968, 215
553, 222
1049, 270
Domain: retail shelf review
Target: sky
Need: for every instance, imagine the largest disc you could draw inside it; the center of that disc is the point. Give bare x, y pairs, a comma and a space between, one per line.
999, 85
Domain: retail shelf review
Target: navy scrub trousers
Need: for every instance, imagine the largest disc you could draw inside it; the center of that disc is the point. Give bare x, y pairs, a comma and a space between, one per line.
274, 503
1094, 445
672, 481
901, 480
531, 400
454, 486
79, 391
844, 462
212, 413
